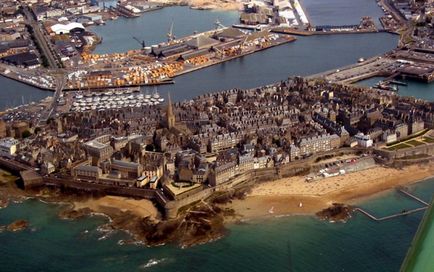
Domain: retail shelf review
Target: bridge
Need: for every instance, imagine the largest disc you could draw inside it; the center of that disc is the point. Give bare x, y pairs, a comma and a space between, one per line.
330, 27
60, 85
403, 213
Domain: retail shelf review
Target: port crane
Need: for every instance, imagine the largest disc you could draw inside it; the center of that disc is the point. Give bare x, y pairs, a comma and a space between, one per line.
142, 43
170, 36
242, 44
219, 52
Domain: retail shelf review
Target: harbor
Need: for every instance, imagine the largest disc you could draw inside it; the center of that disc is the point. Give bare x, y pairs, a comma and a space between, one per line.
160, 63
115, 99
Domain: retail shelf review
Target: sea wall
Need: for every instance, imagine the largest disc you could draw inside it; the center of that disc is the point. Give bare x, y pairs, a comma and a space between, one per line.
251, 177
426, 149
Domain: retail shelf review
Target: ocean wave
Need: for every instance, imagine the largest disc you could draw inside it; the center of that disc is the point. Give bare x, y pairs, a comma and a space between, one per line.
102, 215
152, 262
106, 230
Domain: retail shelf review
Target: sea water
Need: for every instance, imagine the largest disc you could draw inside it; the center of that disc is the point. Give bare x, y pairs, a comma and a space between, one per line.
293, 243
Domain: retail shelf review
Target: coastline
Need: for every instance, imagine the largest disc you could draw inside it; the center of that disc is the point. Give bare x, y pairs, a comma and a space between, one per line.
265, 201
272, 199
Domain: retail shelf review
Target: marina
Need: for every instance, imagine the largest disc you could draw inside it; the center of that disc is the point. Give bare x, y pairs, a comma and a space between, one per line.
116, 99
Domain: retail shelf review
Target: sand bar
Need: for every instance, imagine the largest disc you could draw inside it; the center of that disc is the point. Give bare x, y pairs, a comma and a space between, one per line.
109, 204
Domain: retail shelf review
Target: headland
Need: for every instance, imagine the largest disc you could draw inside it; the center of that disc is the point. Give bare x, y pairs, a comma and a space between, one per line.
164, 173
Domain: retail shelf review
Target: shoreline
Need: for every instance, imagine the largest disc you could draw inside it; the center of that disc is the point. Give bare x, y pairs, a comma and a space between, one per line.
265, 204
140, 218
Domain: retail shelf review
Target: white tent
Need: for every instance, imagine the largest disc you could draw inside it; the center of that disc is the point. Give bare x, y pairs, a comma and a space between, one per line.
64, 29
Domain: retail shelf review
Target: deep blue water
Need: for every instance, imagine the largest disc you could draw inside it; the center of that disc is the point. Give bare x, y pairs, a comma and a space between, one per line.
296, 243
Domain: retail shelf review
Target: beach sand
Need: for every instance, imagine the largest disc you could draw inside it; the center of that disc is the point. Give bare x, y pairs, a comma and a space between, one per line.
285, 195
111, 204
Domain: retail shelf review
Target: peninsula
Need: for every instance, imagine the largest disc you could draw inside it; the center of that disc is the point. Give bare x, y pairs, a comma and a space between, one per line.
177, 171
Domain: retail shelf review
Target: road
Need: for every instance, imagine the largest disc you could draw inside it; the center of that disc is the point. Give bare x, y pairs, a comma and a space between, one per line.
41, 39
60, 85
394, 11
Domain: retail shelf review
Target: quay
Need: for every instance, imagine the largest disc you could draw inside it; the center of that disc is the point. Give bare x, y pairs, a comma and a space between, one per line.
396, 64
403, 213
158, 64
389, 216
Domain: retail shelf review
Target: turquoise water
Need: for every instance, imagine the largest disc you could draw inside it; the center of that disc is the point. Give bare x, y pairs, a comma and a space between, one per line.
414, 88
297, 243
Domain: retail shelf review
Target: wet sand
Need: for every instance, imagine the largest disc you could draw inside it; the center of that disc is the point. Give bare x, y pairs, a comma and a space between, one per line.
111, 204
284, 196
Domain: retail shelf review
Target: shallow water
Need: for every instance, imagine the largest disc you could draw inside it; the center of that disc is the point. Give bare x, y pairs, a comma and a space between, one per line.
295, 243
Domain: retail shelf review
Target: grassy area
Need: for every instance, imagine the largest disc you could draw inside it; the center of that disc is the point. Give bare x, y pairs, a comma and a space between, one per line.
415, 143
428, 140
398, 146
412, 136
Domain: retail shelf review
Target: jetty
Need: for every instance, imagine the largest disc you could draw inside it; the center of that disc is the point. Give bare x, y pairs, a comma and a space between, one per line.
403, 213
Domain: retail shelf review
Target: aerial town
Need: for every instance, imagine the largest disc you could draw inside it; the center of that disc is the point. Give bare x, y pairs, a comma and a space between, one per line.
100, 133
183, 152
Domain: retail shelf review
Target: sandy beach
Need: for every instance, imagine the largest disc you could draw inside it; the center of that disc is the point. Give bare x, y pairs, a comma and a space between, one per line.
112, 204
285, 195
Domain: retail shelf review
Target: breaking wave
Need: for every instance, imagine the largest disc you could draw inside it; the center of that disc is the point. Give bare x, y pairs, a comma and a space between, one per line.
152, 262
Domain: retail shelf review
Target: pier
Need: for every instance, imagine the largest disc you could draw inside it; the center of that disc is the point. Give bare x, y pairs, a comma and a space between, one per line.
405, 192
403, 213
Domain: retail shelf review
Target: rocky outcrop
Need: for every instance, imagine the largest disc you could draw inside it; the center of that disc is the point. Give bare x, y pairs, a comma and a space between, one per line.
18, 225
71, 214
337, 212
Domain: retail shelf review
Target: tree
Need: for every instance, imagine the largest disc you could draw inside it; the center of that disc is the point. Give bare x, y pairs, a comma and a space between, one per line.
26, 134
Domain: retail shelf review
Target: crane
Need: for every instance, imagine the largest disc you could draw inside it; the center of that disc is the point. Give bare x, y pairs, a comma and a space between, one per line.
170, 36
240, 51
142, 43
219, 52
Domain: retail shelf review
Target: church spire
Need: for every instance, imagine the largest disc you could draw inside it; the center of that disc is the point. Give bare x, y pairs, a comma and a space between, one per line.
169, 114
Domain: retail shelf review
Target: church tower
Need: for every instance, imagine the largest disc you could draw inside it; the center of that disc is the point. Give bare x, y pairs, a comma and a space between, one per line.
169, 114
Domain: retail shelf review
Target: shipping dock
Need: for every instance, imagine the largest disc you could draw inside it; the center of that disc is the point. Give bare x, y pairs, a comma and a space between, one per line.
159, 64
153, 65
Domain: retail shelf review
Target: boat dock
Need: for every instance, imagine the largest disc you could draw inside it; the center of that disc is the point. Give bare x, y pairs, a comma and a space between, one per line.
403, 213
